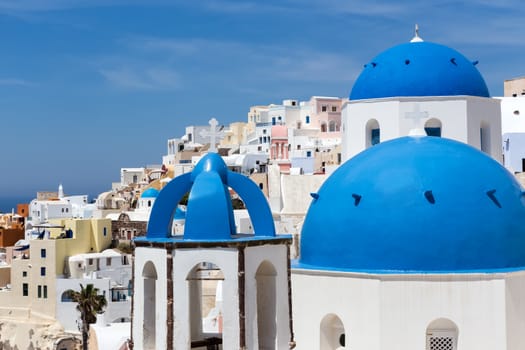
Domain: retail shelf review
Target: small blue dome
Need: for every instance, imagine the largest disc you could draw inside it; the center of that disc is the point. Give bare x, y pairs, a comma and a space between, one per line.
416, 204
150, 193
419, 69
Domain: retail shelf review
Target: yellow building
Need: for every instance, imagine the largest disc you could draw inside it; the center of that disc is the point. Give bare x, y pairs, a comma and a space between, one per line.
33, 279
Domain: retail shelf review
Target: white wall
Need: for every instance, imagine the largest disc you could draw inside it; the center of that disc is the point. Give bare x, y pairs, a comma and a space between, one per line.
394, 311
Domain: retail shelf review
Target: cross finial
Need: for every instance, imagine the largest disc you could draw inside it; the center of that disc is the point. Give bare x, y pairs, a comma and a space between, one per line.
416, 38
213, 134
416, 116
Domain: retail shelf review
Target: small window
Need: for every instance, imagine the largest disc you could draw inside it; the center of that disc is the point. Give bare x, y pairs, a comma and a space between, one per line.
39, 291
45, 292
42, 253
308, 154
90, 261
108, 261
264, 131
42, 271
334, 109
25, 289
24, 273
323, 108
106, 229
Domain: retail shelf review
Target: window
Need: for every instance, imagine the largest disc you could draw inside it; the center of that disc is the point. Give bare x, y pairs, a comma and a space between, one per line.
45, 292
24, 273
108, 261
375, 136
42, 253
334, 109
106, 229
39, 291
273, 120
25, 289
323, 108
308, 154
307, 119
90, 261
42, 271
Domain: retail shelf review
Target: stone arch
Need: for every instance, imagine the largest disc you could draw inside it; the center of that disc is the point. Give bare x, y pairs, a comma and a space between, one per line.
333, 336
204, 283
373, 133
442, 334
149, 276
484, 137
266, 281
433, 127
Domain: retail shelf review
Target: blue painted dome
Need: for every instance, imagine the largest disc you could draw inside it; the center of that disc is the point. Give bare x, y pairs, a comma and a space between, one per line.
209, 213
416, 204
419, 69
150, 193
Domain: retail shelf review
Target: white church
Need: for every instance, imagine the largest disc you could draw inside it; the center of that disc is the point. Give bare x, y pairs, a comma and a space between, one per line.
415, 243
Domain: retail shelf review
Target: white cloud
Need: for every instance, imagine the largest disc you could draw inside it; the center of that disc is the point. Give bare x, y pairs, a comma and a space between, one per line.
15, 82
142, 78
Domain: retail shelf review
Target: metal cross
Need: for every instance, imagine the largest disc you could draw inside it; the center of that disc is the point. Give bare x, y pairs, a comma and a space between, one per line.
213, 134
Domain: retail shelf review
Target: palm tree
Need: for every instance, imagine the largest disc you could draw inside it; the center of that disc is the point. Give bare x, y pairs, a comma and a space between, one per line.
89, 304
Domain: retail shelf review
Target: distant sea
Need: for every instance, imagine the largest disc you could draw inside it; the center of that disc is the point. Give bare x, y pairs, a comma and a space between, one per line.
9, 203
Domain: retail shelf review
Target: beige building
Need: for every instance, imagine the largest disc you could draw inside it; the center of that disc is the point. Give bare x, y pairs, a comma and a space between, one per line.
33, 292
514, 87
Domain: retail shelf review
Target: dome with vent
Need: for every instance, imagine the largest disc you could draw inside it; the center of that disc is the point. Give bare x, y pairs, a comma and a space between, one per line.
419, 69
416, 204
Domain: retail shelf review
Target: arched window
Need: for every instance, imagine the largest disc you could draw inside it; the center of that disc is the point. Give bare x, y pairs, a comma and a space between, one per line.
331, 126
373, 133
323, 127
149, 203
433, 127
484, 137
332, 333
67, 296
266, 305
205, 306
442, 334
149, 275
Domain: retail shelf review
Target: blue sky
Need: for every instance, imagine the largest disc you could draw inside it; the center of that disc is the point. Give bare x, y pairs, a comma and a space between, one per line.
88, 87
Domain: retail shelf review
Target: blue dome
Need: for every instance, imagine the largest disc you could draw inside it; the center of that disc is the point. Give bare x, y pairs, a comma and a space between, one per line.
419, 69
416, 204
209, 213
150, 193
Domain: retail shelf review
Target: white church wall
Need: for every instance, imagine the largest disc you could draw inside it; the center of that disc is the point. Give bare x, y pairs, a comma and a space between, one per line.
355, 301
277, 256
158, 258
475, 303
184, 260
512, 114
485, 114
515, 309
394, 311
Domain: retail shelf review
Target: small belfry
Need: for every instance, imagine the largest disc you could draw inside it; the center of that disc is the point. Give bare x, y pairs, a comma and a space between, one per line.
173, 275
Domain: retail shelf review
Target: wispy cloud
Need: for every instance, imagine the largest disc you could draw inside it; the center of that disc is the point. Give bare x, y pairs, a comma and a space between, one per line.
15, 82
197, 64
142, 78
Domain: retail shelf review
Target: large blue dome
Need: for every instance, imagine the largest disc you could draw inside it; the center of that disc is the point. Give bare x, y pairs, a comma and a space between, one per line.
416, 204
419, 69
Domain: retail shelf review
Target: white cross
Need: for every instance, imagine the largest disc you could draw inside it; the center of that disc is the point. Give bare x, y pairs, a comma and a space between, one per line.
213, 134
416, 116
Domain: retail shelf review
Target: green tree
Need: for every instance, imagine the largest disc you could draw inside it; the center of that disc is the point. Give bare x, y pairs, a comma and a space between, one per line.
89, 304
